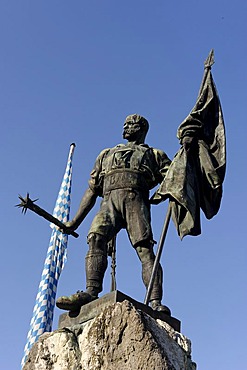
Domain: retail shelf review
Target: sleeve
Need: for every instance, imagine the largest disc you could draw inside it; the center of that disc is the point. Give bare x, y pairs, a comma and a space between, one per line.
96, 176
163, 163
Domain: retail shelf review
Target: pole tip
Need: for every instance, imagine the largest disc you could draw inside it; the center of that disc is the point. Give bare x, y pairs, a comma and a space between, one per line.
210, 59
73, 144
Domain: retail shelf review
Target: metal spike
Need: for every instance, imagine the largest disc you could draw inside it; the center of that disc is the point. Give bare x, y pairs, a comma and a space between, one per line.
24, 203
210, 59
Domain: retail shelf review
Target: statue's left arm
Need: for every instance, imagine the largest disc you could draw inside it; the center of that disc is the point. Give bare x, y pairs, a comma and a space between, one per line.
163, 163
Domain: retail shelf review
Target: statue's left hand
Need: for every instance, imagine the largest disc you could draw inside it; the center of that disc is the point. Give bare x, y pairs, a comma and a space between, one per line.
187, 142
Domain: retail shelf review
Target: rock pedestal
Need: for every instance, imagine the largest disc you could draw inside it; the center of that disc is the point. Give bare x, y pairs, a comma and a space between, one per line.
94, 308
121, 337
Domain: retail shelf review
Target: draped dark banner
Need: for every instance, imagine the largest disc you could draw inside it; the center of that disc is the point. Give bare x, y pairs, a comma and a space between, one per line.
194, 179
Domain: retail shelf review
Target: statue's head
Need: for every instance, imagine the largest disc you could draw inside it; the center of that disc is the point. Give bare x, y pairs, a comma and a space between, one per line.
135, 128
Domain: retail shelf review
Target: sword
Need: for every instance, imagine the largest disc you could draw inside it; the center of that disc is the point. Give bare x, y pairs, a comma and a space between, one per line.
27, 203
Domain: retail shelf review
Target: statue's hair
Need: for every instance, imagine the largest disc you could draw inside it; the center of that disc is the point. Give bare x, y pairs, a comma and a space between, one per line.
137, 118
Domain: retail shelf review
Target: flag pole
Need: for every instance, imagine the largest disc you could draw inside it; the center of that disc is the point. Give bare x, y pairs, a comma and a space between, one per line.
207, 66
56, 257
158, 254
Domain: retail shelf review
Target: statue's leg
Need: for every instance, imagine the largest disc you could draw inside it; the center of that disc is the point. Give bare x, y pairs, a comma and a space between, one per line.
96, 263
105, 225
147, 257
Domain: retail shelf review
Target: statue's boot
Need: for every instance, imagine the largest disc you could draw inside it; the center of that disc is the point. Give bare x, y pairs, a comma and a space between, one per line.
96, 264
75, 301
158, 306
156, 293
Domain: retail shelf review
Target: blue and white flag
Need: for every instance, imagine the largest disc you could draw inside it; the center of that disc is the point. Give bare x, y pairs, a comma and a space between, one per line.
55, 260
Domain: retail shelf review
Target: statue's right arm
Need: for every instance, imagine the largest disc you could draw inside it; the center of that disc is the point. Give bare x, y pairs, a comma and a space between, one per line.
94, 190
87, 202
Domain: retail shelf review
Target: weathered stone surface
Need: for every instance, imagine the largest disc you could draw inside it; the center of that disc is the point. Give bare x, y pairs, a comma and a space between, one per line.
91, 310
58, 350
120, 338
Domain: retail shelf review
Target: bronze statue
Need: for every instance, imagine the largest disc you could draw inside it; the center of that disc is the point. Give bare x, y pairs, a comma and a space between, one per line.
122, 176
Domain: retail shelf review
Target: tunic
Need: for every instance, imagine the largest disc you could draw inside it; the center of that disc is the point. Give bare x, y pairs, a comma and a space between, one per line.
123, 176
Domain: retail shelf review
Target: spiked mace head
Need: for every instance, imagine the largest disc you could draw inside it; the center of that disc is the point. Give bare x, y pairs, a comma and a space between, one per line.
26, 203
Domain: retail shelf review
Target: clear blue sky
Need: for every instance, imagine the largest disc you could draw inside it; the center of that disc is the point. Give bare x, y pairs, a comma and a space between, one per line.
71, 72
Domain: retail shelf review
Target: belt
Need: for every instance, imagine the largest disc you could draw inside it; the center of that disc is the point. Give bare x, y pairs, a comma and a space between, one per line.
123, 179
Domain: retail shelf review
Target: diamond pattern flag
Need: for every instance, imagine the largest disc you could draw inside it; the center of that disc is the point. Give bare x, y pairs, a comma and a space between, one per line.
55, 260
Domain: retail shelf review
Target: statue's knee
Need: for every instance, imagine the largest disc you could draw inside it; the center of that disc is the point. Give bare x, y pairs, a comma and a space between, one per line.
96, 242
145, 252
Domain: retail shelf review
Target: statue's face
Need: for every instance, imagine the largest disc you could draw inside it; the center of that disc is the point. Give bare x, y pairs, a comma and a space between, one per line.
131, 130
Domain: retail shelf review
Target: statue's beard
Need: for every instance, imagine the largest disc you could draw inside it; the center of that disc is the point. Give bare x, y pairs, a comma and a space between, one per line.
130, 133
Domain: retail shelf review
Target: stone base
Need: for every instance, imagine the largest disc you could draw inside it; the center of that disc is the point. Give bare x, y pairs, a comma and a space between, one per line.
93, 309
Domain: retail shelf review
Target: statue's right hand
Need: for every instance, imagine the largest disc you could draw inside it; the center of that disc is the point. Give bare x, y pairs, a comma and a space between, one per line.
69, 229
69, 225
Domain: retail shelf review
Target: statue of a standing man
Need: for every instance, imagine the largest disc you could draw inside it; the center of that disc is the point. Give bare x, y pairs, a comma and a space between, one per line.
123, 177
